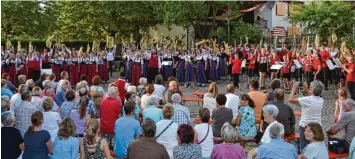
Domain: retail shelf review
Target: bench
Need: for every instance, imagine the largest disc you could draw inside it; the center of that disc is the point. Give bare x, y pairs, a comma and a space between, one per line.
198, 121
333, 155
218, 139
187, 99
298, 113
198, 94
294, 136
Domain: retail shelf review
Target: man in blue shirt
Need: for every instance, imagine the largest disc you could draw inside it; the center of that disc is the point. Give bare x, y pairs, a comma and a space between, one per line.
4, 90
277, 148
126, 130
152, 111
60, 95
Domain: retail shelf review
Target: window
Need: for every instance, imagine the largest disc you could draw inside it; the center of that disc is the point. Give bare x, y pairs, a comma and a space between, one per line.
280, 9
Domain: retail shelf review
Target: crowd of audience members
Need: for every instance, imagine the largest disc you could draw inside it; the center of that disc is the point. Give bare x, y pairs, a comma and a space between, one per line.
46, 118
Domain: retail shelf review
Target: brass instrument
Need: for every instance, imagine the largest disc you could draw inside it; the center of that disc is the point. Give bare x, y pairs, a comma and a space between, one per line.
88, 48
334, 38
200, 42
344, 50
18, 46
49, 42
227, 48
30, 47
109, 42
8, 44
316, 41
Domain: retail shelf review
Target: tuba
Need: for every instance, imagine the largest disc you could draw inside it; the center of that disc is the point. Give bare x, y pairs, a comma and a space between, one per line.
30, 47
49, 42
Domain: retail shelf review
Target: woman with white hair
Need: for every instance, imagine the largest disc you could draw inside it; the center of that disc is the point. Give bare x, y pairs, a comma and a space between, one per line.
152, 111
270, 113
311, 106
31, 84
141, 88
11, 138
5, 104
228, 149
36, 98
133, 90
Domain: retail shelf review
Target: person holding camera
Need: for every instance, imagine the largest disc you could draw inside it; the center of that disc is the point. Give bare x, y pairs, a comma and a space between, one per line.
311, 106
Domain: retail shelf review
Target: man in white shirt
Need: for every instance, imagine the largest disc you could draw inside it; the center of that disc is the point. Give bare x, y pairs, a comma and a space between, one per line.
232, 100
16, 98
166, 133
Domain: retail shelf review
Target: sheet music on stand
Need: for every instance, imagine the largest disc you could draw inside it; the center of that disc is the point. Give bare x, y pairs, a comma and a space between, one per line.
283, 64
297, 63
337, 62
244, 62
167, 63
47, 71
330, 65
276, 67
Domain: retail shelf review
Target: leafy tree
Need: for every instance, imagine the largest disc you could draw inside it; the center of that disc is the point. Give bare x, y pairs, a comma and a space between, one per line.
241, 30
324, 17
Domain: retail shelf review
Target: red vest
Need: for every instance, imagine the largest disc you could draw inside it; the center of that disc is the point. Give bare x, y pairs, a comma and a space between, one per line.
121, 88
46, 58
34, 64
153, 61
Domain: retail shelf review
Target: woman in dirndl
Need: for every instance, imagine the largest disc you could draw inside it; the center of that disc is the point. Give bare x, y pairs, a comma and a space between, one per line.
176, 60
92, 67
11, 62
67, 63
205, 56
56, 67
74, 69
137, 69
103, 67
167, 68
23, 70
200, 69
145, 58
189, 69
129, 65
222, 64
181, 67
83, 61
262, 59
214, 67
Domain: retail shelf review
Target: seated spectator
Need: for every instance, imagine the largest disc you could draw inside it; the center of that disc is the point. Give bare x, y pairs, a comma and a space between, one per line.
258, 97
40, 80
60, 95
6, 77
347, 122
49, 93
4, 90
352, 149
21, 79
204, 133
187, 147
93, 146
91, 110
5, 104
220, 115
209, 99
166, 133
122, 86
147, 147
277, 148
232, 100
38, 143
69, 104
23, 112
111, 110
178, 88
159, 88
64, 75
31, 84
228, 149
11, 138
36, 98
181, 113
16, 98
46, 84
311, 106
316, 148
339, 106
65, 145
275, 84
145, 98
246, 119
270, 113
52, 78
286, 114
152, 111
80, 116
133, 90
172, 89
96, 89
141, 88
126, 130
51, 119
132, 97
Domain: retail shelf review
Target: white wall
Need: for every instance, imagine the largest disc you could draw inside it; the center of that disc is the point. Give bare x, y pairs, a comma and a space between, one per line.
271, 17
265, 13
175, 31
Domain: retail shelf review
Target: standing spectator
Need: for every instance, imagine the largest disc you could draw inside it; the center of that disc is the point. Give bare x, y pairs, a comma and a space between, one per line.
4, 90
145, 98
5, 104
232, 100
228, 149
111, 110
36, 98
246, 119
159, 87
65, 145
38, 143
24, 111
181, 113
80, 116
275, 84
173, 88
122, 86
40, 80
286, 115
270, 113
259, 99
311, 105
166, 133
209, 99
205, 133
147, 146
132, 97
316, 149
126, 130
49, 93
339, 103
6, 77
16, 98
51, 119
220, 115
11, 138
277, 147
60, 95
152, 111
187, 148
69, 105
93, 146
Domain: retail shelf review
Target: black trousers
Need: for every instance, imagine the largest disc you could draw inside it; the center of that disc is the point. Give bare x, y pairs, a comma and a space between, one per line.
326, 76
236, 80
110, 65
152, 72
309, 77
35, 75
351, 88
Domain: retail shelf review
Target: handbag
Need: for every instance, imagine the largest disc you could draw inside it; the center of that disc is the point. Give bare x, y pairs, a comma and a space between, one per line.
208, 130
336, 145
164, 129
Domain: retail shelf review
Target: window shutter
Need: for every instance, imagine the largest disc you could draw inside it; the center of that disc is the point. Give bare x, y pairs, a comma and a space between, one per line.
280, 9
